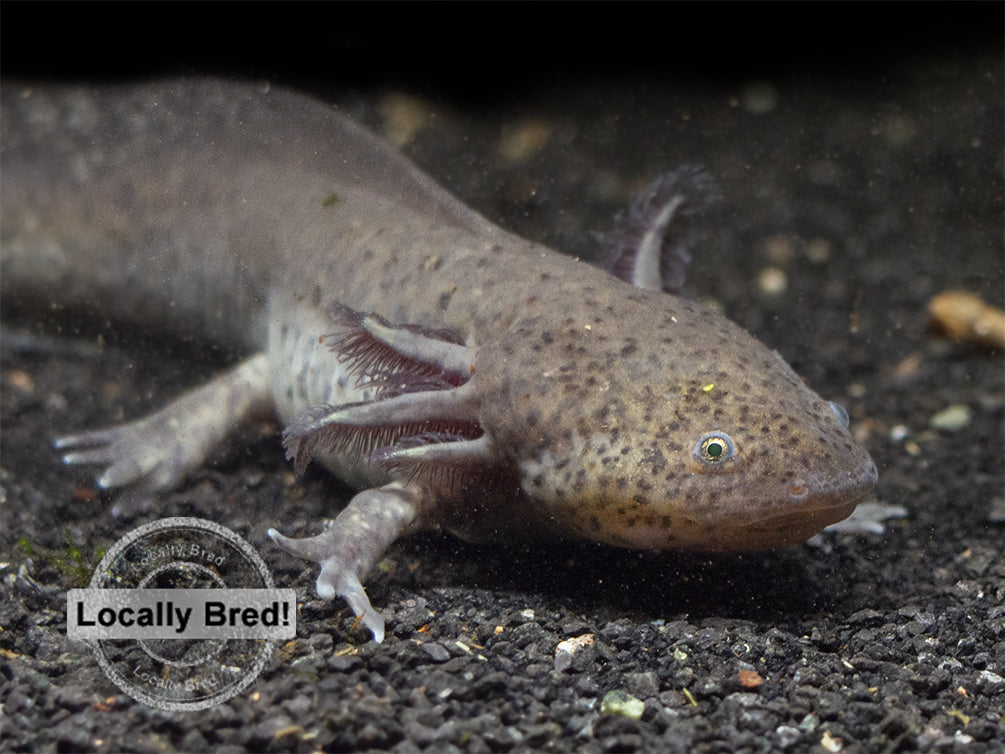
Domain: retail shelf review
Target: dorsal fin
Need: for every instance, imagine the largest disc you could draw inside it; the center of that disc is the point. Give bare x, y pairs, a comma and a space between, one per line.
647, 244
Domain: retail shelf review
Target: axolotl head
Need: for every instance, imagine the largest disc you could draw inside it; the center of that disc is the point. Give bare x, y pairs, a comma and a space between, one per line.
650, 421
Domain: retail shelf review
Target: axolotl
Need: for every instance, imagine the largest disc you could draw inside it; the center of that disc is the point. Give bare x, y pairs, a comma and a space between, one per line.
460, 376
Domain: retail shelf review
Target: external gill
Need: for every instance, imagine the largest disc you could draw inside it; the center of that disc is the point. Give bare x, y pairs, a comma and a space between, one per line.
423, 397
381, 429
397, 359
422, 428
647, 246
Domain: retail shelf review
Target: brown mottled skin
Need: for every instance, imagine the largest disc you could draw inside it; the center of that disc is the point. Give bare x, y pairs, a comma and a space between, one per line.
241, 213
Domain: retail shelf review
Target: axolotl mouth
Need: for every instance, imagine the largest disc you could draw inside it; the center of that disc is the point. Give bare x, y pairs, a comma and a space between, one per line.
806, 510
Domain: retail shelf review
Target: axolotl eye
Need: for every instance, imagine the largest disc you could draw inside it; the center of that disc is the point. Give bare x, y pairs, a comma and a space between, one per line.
714, 448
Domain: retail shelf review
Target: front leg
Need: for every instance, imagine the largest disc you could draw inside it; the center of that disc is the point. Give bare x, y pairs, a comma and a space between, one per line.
421, 427
350, 547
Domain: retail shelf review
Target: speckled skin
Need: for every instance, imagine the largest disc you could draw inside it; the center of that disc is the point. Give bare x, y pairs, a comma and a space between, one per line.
239, 214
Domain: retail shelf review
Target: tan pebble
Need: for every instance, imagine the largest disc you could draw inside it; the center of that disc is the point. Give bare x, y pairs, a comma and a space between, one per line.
750, 679
404, 116
779, 249
772, 281
20, 380
951, 419
964, 317
818, 250
526, 139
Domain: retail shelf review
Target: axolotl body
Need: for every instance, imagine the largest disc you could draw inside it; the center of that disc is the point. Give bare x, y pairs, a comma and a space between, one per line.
462, 377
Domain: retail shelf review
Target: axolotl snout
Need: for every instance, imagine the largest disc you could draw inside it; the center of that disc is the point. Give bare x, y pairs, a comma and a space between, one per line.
462, 377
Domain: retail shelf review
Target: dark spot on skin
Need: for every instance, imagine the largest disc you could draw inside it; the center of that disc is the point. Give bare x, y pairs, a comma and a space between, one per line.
628, 350
655, 459
672, 428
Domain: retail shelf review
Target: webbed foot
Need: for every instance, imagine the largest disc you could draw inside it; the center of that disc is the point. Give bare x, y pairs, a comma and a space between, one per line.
155, 453
349, 548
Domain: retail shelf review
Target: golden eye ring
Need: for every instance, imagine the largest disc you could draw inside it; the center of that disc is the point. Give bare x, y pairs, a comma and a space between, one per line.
715, 448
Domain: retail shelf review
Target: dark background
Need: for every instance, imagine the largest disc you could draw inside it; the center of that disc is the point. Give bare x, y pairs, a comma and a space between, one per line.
479, 53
